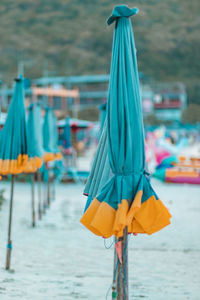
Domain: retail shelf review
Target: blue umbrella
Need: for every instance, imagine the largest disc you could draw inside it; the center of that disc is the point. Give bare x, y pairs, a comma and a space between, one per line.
67, 134
121, 199
127, 198
50, 136
34, 131
50, 144
102, 116
35, 152
14, 144
57, 153
14, 148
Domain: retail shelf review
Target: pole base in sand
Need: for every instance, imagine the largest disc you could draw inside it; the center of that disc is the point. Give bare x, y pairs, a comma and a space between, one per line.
8, 256
33, 219
39, 212
122, 272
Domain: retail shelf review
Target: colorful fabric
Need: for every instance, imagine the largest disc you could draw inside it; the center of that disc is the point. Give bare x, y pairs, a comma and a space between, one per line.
102, 117
34, 131
126, 197
50, 137
67, 134
14, 144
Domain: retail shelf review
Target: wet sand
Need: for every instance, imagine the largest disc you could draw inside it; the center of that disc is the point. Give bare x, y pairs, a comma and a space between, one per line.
60, 259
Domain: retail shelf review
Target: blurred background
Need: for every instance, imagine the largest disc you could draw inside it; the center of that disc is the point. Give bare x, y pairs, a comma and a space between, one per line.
51, 41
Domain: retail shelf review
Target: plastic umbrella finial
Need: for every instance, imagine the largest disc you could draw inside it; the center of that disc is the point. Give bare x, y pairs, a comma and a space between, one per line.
121, 11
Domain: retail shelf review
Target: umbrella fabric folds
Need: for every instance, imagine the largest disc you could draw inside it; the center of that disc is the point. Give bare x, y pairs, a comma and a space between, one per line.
14, 145
100, 172
67, 136
34, 131
50, 136
57, 153
102, 116
118, 184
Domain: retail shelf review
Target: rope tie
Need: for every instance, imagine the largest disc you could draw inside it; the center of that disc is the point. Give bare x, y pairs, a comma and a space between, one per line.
143, 172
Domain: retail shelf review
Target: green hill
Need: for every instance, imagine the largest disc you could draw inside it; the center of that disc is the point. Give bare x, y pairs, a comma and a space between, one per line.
70, 37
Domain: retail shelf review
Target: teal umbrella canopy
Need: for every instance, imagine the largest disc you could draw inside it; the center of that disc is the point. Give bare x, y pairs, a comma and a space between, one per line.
102, 116
14, 144
55, 138
35, 138
47, 135
55, 134
67, 134
50, 136
126, 197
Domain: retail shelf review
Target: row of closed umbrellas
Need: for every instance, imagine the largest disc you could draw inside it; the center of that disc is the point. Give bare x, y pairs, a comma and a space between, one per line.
27, 146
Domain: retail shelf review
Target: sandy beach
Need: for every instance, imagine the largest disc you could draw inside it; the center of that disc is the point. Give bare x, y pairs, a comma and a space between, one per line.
60, 259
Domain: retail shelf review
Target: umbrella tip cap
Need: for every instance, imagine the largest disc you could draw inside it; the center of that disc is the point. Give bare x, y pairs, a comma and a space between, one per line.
17, 79
31, 106
120, 11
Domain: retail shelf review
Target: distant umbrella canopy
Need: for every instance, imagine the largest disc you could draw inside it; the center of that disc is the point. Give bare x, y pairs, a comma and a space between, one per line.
50, 136
67, 134
56, 150
102, 116
14, 146
35, 138
118, 185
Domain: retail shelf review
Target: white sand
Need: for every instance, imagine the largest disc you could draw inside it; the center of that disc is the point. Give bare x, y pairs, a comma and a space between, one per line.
61, 260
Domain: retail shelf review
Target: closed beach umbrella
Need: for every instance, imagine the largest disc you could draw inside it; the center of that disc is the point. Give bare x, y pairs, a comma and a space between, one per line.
35, 151
67, 135
48, 143
57, 153
50, 136
127, 198
34, 132
14, 148
126, 202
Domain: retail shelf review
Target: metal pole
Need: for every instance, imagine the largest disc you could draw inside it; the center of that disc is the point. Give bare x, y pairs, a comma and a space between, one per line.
125, 264
9, 244
119, 279
53, 190
39, 196
44, 197
33, 199
122, 278
48, 189
114, 286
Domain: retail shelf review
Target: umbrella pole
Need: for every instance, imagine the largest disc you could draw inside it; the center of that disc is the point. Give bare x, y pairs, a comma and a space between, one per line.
125, 264
48, 189
39, 196
44, 197
122, 278
9, 244
114, 287
53, 190
33, 199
